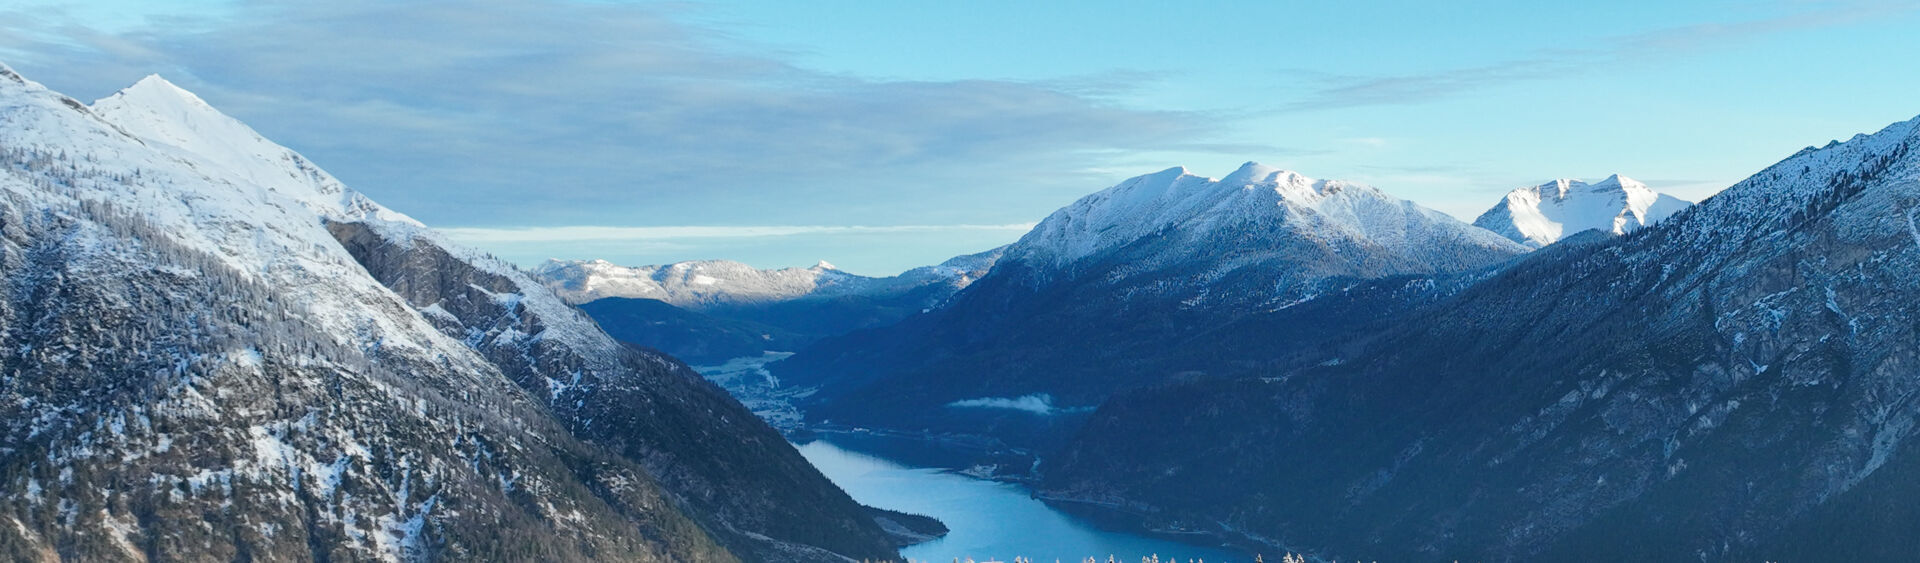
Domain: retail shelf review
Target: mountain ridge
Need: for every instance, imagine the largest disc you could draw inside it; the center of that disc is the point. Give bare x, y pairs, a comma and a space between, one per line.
356, 387
1744, 370
698, 284
1540, 215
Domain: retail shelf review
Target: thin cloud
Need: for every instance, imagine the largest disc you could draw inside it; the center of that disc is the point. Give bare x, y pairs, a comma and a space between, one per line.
1038, 403
1347, 91
597, 233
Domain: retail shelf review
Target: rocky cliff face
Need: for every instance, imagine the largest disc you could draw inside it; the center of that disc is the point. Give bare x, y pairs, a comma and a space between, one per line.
215, 351
1730, 384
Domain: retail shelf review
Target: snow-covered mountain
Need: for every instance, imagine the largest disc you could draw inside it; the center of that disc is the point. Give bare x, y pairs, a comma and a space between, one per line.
213, 348
711, 311
702, 283
1737, 382
1104, 294
1540, 215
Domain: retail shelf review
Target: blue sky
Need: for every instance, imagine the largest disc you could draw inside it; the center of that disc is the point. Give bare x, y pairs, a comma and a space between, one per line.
884, 135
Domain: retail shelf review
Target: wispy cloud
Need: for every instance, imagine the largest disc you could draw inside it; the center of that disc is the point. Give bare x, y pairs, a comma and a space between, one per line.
566, 111
1334, 91
1038, 403
478, 235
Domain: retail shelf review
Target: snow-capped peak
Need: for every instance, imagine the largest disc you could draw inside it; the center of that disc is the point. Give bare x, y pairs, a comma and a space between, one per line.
154, 86
1539, 215
181, 123
1254, 197
156, 109
1254, 173
823, 266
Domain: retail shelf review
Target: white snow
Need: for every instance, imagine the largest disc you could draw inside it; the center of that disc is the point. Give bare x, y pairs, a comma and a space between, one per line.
1540, 215
211, 183
1212, 215
713, 282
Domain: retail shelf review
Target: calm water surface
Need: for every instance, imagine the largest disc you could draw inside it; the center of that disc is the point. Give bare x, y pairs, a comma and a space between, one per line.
989, 520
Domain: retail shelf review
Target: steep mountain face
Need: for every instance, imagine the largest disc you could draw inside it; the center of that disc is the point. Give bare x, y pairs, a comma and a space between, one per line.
1540, 215
1119, 277
217, 351
712, 311
1734, 383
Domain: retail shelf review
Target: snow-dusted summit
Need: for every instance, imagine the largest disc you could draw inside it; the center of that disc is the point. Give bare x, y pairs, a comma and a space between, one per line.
1539, 215
700, 283
1255, 214
211, 348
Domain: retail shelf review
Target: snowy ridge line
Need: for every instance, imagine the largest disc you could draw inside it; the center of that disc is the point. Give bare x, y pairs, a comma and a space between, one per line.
175, 120
206, 205
701, 283
151, 215
1255, 194
1541, 215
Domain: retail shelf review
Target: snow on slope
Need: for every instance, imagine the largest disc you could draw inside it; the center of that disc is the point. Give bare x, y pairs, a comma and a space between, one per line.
262, 226
1539, 215
710, 282
257, 220
204, 181
174, 120
1254, 197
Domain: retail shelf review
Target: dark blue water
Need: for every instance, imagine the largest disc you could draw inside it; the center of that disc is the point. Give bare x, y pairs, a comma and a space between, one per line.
990, 520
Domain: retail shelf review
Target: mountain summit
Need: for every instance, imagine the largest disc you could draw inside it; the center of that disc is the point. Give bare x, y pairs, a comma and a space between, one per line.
1540, 215
1198, 218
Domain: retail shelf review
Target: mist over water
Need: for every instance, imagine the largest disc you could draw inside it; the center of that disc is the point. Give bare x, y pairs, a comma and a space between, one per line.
989, 520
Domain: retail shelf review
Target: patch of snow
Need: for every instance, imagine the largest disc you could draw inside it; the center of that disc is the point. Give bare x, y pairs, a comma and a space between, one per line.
1254, 205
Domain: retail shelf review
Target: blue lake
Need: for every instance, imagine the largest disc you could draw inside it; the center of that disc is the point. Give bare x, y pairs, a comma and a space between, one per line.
990, 520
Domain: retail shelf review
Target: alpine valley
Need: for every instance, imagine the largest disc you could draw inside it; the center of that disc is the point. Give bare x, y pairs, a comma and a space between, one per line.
1313, 365
214, 350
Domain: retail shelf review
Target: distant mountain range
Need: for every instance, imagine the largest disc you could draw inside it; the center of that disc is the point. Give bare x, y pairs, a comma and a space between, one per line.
1259, 265
714, 310
215, 350
211, 348
1590, 370
1736, 382
1104, 294
717, 283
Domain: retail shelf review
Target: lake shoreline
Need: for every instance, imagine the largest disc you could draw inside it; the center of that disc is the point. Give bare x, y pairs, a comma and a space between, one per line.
1090, 529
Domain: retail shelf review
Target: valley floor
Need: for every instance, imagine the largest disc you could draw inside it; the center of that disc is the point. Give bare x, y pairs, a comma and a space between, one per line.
980, 493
